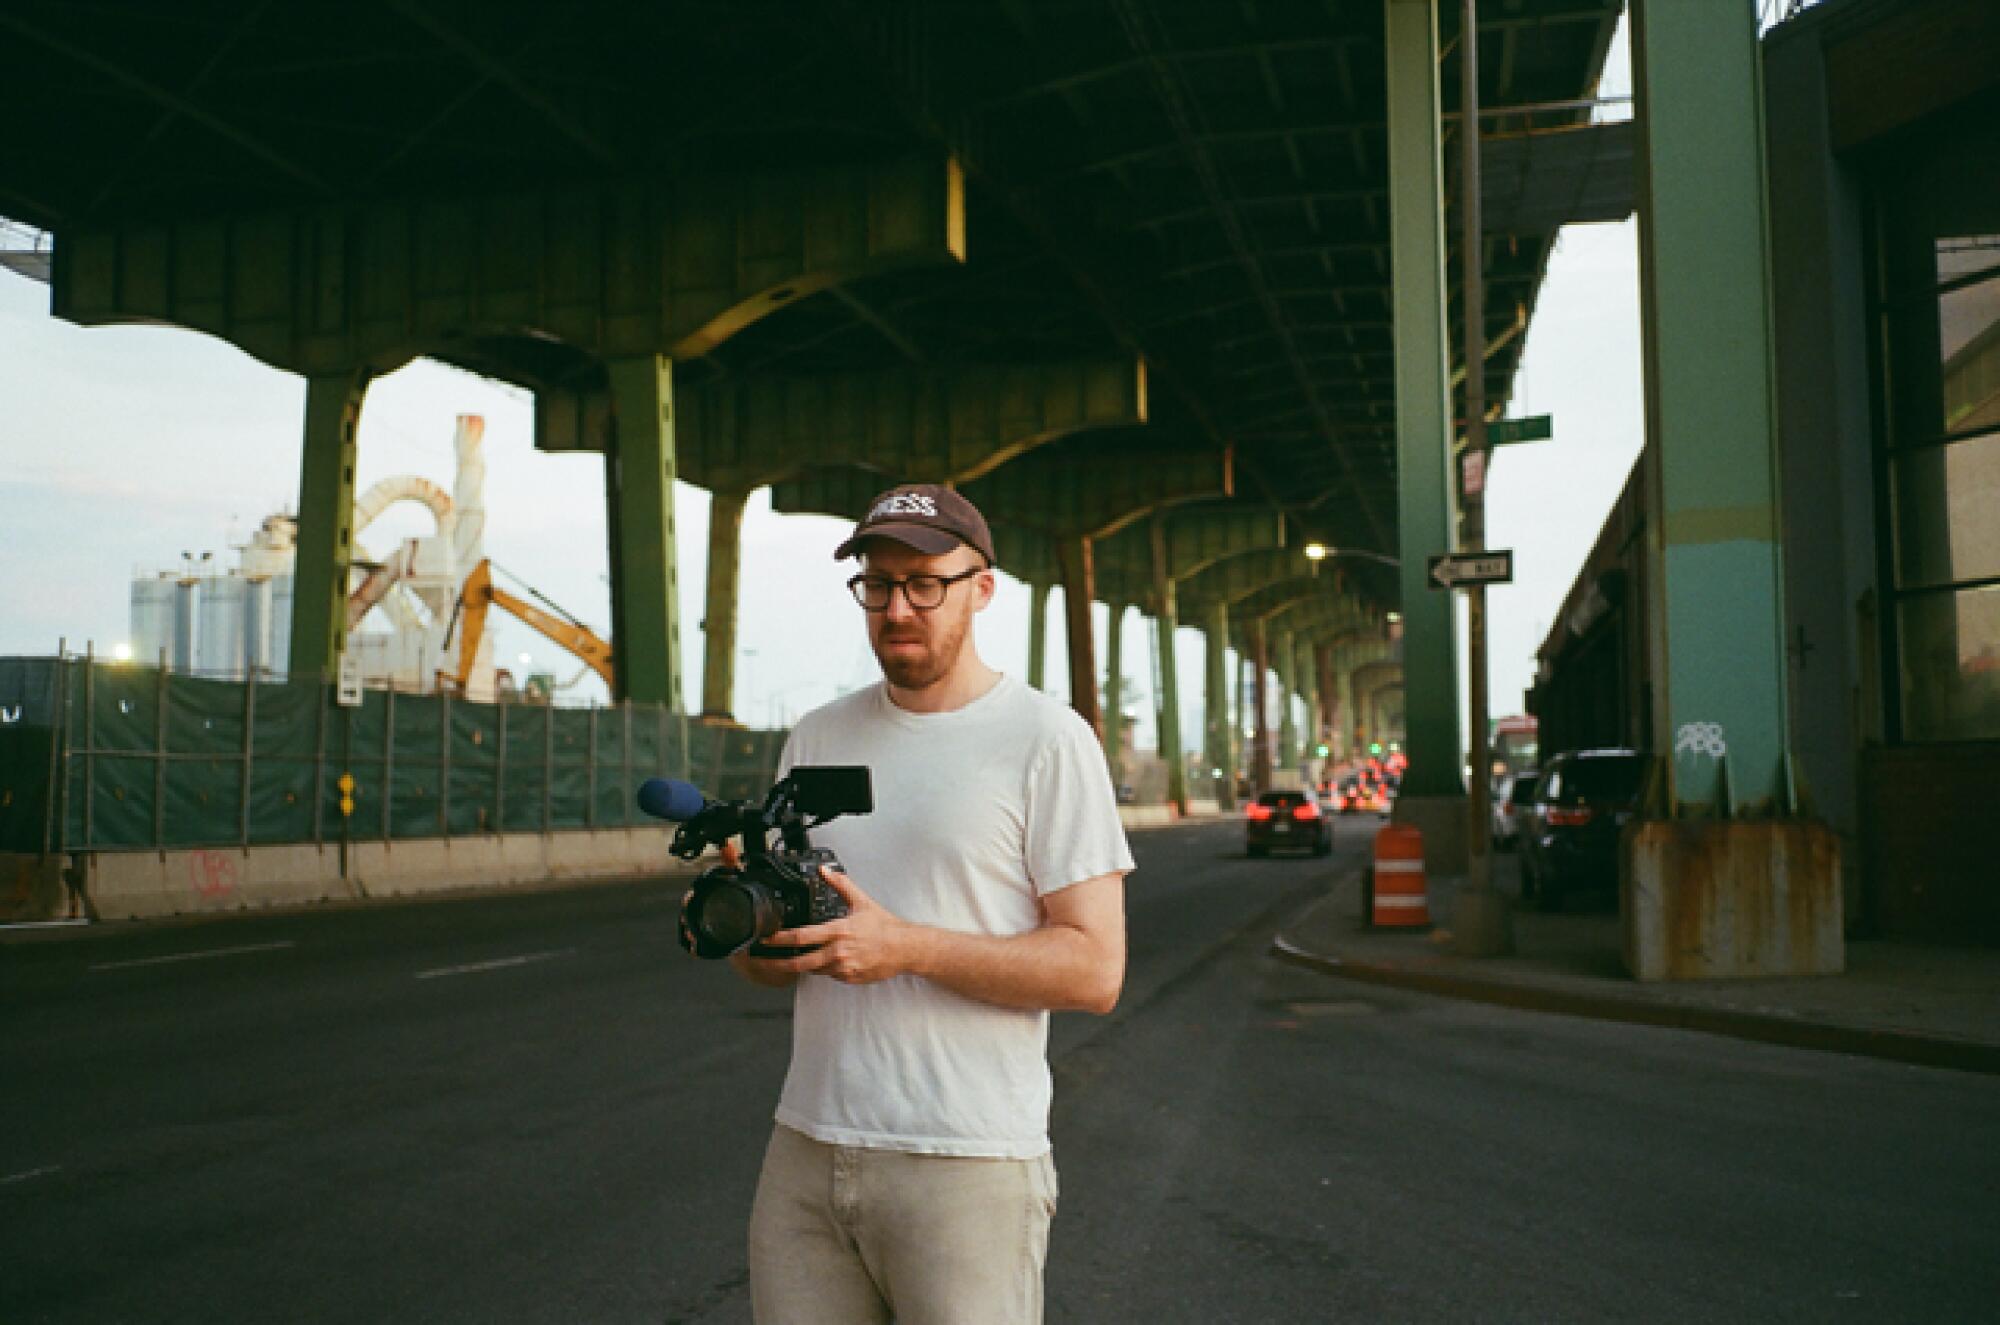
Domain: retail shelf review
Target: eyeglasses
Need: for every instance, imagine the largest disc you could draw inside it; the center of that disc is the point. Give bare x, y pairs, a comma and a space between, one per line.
923, 592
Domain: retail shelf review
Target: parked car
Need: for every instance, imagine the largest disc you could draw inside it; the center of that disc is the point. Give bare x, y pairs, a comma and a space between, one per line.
1510, 792
1569, 844
1289, 820
1513, 806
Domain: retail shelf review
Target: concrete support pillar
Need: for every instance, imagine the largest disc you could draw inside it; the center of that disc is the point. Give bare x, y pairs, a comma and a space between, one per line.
1170, 689
1079, 588
725, 553
639, 470
1720, 707
1114, 693
1433, 796
1260, 665
1038, 634
326, 522
1218, 726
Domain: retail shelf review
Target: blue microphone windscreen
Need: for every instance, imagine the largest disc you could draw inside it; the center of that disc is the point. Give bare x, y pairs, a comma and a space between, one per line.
670, 798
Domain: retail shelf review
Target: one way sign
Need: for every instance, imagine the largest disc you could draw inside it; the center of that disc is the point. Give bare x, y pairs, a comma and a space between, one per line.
1462, 570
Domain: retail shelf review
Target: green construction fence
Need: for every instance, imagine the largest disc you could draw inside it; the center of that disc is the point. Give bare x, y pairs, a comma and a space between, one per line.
101, 756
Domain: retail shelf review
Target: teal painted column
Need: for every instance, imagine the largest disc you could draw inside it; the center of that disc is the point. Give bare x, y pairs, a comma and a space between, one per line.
645, 590
326, 523
1038, 634
1712, 525
1423, 397
1217, 722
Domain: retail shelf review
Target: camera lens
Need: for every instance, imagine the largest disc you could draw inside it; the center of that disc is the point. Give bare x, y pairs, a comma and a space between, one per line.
728, 918
727, 915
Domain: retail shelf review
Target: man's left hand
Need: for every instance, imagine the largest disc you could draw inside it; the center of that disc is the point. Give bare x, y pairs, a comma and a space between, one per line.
868, 944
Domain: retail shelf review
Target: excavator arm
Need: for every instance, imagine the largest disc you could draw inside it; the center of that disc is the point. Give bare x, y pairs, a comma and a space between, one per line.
480, 594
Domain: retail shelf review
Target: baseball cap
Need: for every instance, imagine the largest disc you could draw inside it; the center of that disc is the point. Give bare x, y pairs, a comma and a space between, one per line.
929, 517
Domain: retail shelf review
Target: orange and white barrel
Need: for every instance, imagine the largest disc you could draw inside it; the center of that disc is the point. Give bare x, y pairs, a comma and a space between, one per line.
1400, 900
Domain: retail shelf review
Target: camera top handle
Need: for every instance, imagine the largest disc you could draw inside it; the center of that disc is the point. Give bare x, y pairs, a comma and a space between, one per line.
809, 796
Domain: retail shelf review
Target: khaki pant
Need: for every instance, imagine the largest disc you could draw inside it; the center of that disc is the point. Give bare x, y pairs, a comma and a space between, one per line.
842, 1236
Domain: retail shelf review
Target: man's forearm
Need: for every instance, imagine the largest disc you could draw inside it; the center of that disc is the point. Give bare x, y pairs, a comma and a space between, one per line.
1055, 967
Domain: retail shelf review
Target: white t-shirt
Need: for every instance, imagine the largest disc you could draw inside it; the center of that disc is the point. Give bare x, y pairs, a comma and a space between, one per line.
978, 813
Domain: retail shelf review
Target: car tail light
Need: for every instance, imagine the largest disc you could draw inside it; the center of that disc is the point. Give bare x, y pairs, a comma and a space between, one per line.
1258, 813
1306, 811
1570, 818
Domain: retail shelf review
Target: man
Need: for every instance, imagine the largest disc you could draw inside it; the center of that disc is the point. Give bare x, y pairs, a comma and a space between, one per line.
909, 1173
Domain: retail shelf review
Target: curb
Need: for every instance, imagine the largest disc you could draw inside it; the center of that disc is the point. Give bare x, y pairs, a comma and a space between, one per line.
1898, 1046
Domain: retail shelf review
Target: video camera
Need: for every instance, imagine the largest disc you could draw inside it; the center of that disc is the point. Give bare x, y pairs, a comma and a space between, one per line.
734, 907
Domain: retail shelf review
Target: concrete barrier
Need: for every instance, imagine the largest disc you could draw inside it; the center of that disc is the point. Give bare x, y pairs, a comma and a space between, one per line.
1726, 899
146, 885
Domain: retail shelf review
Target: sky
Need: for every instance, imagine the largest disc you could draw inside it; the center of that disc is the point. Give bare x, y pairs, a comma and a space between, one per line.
123, 447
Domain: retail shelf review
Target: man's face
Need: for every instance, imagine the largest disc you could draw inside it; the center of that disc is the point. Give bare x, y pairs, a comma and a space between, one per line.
917, 649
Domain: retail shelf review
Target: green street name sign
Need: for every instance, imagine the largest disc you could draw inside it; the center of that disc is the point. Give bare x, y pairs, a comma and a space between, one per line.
1534, 428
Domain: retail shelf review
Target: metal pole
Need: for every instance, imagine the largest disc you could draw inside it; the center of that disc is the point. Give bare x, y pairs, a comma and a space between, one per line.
444, 762
62, 777
548, 764
625, 795
590, 810
1483, 926
500, 772
160, 755
89, 741
249, 756
319, 761
58, 731
388, 759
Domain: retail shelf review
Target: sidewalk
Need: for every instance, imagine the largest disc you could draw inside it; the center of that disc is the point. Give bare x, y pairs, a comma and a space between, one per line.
1914, 1003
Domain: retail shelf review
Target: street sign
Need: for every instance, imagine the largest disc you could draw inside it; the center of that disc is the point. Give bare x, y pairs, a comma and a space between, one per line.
1462, 570
1534, 428
1473, 467
349, 692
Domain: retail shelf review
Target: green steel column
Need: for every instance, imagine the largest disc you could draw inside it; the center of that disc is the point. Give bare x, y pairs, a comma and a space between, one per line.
725, 554
1302, 670
326, 523
1170, 687
1288, 727
1719, 660
645, 616
1216, 722
1114, 693
1260, 666
1423, 396
1038, 634
1079, 581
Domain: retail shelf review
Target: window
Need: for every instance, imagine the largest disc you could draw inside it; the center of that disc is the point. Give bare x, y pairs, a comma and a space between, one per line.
1944, 479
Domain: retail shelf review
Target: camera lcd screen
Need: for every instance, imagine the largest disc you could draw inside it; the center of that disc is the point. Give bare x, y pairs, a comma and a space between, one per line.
829, 789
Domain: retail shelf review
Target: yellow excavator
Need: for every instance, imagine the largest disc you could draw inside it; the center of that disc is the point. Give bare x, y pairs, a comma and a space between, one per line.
480, 593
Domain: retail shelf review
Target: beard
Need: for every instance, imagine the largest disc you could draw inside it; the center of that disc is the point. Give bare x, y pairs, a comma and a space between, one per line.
919, 669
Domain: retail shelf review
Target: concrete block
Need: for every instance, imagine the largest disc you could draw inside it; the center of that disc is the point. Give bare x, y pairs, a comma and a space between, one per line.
1721, 899
32, 888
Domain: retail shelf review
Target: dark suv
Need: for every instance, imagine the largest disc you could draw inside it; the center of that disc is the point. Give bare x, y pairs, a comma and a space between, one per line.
1569, 838
1287, 819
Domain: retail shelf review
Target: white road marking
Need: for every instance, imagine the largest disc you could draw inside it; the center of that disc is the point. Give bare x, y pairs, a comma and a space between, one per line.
195, 956
497, 964
13, 1178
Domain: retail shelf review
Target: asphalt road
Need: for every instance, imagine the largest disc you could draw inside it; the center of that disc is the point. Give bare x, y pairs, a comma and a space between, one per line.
535, 1108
